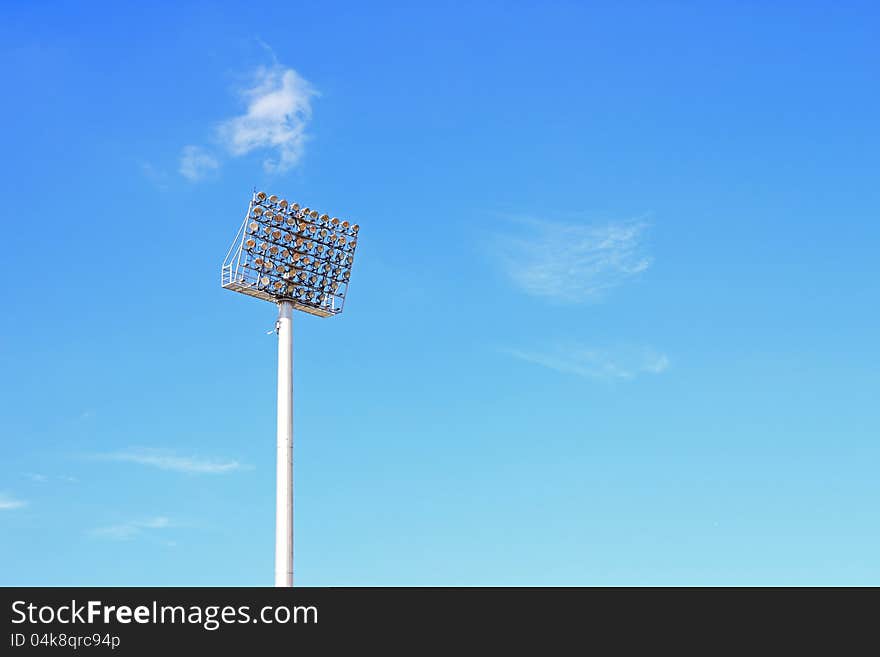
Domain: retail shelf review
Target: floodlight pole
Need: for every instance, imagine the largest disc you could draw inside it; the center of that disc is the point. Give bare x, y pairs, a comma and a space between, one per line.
284, 466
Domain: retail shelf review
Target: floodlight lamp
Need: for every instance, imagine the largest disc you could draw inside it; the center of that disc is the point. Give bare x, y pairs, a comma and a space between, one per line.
276, 232
296, 270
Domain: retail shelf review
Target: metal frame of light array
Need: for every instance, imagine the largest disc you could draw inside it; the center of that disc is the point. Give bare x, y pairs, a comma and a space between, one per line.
287, 252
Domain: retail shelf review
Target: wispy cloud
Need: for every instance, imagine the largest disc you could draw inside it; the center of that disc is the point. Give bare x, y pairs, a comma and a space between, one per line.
169, 460
126, 531
196, 163
571, 262
42, 479
612, 364
7, 502
278, 108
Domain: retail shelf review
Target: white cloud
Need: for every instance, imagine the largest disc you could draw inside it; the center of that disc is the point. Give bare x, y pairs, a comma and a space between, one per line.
196, 163
168, 460
619, 363
128, 530
573, 263
42, 479
7, 503
278, 108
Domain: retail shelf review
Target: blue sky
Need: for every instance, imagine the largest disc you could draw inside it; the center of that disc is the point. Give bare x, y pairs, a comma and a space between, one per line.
613, 317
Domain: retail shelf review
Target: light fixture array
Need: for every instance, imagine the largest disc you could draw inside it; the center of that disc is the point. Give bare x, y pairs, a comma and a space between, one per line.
290, 252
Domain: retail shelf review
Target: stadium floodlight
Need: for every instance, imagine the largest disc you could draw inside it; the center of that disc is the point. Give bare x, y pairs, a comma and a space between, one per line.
294, 257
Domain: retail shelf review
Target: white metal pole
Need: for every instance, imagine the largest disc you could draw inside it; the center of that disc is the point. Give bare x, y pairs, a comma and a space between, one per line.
284, 473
